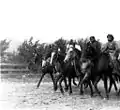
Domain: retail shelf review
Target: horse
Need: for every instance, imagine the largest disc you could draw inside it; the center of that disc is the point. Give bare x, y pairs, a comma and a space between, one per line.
74, 56
69, 69
96, 67
57, 58
116, 65
47, 69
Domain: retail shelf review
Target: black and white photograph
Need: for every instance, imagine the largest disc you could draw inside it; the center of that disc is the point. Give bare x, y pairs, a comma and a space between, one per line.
59, 55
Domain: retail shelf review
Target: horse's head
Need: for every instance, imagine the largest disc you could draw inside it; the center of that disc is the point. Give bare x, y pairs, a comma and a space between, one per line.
45, 62
70, 54
55, 56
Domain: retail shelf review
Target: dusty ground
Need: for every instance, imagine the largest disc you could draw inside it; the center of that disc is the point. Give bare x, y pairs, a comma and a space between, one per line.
21, 94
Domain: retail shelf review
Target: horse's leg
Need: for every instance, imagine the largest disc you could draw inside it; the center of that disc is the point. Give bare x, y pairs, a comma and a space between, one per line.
58, 78
74, 82
115, 86
119, 88
43, 74
95, 85
81, 82
66, 86
53, 80
90, 85
70, 87
60, 84
105, 86
112, 82
81, 87
118, 92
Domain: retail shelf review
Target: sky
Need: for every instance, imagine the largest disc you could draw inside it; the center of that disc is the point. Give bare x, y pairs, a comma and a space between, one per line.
48, 20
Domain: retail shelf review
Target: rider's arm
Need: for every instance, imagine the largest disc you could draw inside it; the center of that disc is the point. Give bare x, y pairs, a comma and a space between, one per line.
116, 45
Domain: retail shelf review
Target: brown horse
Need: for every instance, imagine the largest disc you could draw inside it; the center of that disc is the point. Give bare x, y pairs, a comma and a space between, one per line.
71, 67
96, 69
47, 69
116, 69
74, 56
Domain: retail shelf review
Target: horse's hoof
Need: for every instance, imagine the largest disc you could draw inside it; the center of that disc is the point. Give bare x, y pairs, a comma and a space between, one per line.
37, 87
81, 93
75, 84
66, 89
85, 86
70, 93
106, 97
118, 93
91, 95
55, 88
101, 96
62, 91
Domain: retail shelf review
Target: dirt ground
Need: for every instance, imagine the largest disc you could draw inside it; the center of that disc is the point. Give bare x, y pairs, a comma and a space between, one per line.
22, 94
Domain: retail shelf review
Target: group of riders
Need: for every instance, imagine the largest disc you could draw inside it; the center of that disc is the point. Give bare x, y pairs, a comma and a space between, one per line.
109, 49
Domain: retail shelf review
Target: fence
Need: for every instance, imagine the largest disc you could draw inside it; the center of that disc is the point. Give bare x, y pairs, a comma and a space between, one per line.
13, 68
17, 71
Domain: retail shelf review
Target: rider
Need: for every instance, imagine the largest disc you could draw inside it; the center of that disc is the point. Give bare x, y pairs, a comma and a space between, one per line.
110, 47
96, 46
92, 58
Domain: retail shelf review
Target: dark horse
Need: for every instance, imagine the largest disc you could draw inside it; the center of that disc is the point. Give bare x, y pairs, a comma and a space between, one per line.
95, 68
116, 72
74, 56
56, 60
68, 71
65, 69
47, 69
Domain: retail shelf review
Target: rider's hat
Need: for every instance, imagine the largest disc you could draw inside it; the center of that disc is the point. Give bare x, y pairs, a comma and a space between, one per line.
71, 41
92, 37
110, 36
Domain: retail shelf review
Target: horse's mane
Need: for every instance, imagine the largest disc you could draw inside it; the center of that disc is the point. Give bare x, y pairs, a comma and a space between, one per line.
78, 52
59, 57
